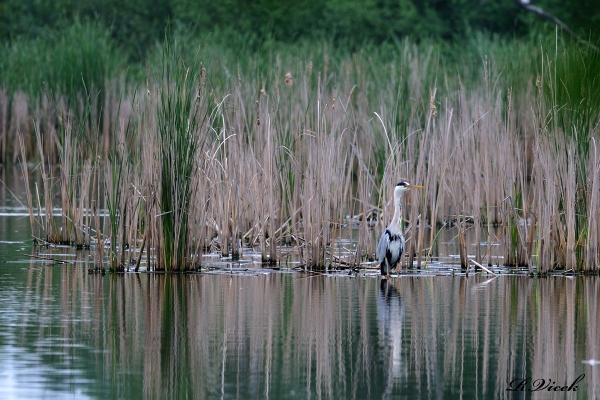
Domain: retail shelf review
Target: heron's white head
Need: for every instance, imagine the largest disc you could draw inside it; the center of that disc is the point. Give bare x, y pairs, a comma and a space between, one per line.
402, 187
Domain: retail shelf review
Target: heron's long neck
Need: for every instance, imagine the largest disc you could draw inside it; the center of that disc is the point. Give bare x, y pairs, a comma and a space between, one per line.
397, 220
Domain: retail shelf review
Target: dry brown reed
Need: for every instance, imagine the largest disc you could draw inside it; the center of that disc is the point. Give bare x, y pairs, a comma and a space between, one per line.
27, 186
4, 104
462, 244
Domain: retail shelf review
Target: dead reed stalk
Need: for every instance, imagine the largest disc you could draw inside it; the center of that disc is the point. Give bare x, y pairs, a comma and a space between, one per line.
27, 187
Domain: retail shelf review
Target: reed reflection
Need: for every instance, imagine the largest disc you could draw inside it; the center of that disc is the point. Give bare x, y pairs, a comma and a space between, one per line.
277, 335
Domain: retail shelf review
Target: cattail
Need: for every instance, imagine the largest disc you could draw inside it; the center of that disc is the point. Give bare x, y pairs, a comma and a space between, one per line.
288, 79
257, 112
202, 76
333, 102
201, 81
432, 106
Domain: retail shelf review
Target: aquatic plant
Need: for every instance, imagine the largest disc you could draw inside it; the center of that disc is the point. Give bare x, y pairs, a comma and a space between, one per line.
178, 117
233, 149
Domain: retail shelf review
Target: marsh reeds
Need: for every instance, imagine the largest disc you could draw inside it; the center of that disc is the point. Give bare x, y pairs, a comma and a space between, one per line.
116, 198
3, 125
518, 235
232, 150
27, 188
47, 223
592, 241
178, 116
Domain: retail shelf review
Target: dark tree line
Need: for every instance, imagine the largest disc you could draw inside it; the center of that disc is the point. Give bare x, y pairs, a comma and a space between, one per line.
137, 24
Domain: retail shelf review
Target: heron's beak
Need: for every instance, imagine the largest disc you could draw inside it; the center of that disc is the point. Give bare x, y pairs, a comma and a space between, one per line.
415, 187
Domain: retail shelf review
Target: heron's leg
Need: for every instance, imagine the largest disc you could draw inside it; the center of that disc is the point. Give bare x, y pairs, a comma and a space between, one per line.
385, 268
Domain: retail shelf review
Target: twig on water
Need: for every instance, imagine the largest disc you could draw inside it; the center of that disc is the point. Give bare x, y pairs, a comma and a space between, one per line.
489, 271
49, 259
339, 260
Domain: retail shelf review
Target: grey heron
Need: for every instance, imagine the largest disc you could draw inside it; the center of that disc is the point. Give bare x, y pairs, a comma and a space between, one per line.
391, 244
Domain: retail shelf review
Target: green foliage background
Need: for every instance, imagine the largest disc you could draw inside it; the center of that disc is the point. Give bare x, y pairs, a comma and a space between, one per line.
136, 25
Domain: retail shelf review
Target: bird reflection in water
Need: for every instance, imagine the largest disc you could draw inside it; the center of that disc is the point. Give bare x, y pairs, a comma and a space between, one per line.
390, 318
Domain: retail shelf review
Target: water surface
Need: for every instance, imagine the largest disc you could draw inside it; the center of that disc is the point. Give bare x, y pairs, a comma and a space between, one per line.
288, 335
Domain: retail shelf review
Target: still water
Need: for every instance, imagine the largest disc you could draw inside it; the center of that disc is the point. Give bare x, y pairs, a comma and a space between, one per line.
253, 333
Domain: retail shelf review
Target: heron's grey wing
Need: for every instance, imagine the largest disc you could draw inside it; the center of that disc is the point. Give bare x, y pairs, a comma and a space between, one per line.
384, 243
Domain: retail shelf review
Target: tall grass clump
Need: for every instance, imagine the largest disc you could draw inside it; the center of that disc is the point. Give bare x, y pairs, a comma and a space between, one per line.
178, 118
75, 184
117, 182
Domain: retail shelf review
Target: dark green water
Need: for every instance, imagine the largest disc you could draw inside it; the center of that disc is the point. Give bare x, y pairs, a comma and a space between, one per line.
261, 334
